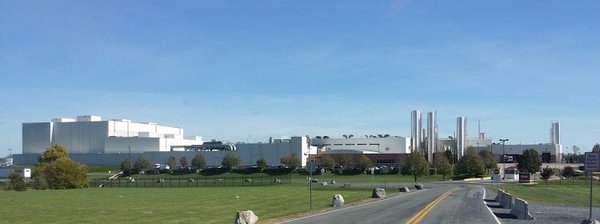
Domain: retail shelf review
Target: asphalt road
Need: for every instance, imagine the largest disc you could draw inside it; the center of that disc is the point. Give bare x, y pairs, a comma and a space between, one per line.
439, 203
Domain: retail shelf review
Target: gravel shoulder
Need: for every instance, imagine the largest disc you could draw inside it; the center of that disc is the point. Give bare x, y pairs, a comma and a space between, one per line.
545, 213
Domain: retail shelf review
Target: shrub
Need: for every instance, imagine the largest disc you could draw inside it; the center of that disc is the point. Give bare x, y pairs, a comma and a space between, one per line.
16, 183
277, 170
56, 170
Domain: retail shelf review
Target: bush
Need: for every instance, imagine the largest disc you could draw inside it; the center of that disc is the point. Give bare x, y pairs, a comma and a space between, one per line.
182, 171
214, 171
17, 182
247, 170
57, 171
278, 170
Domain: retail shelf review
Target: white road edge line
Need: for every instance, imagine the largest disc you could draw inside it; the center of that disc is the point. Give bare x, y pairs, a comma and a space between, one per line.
342, 209
489, 209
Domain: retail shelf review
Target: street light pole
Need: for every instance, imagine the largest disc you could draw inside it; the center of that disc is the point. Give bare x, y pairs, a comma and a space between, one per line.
503, 158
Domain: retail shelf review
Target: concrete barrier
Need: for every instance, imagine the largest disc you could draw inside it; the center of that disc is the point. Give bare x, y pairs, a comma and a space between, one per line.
506, 201
521, 209
499, 195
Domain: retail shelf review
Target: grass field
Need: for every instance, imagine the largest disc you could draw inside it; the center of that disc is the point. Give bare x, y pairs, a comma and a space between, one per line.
555, 192
164, 205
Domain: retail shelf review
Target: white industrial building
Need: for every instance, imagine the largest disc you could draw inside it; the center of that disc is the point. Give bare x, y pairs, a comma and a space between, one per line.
91, 134
390, 144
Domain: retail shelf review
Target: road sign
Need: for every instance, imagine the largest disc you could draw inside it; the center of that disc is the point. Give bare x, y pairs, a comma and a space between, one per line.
592, 161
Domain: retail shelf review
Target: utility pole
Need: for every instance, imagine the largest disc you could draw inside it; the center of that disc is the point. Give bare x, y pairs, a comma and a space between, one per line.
503, 158
129, 158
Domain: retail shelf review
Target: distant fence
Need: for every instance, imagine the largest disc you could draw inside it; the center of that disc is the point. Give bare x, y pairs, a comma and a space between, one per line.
193, 182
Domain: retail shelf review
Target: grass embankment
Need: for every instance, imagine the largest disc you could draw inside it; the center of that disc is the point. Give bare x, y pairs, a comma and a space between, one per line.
556, 192
165, 205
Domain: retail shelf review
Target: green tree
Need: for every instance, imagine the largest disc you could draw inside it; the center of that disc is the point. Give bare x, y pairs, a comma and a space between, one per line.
529, 161
450, 156
327, 162
443, 166
547, 173
596, 148
183, 162
261, 164
345, 160
489, 161
171, 162
53, 153
16, 182
290, 160
568, 172
470, 165
416, 165
231, 160
142, 164
199, 161
56, 170
364, 162
126, 166
575, 150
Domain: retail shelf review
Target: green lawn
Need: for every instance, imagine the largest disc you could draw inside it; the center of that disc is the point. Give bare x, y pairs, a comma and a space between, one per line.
164, 205
555, 192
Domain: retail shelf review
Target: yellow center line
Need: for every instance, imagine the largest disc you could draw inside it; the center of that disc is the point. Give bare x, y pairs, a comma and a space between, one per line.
418, 217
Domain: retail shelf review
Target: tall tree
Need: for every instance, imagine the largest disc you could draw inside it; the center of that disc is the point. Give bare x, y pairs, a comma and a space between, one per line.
290, 160
231, 160
199, 161
576, 150
345, 160
183, 162
596, 148
365, 162
56, 170
442, 165
568, 172
488, 160
547, 173
416, 164
171, 162
327, 162
142, 164
126, 166
530, 161
450, 156
261, 164
470, 165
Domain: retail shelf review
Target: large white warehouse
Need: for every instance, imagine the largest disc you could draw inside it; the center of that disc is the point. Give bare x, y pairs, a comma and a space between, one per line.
387, 144
92, 135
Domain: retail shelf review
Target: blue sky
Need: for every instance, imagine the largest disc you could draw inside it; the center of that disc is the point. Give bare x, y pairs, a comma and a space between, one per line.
247, 70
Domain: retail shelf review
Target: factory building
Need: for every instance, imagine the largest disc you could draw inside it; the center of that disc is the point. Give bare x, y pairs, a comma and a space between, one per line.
91, 134
93, 141
383, 144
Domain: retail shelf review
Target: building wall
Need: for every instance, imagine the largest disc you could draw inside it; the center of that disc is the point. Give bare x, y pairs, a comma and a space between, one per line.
36, 137
81, 137
517, 150
88, 134
249, 153
373, 145
138, 144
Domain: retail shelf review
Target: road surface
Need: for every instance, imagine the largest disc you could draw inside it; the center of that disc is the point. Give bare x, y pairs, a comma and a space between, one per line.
440, 203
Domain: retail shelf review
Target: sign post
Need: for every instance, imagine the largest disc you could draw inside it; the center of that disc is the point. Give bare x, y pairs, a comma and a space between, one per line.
311, 164
592, 163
